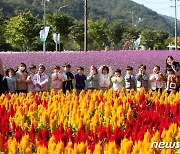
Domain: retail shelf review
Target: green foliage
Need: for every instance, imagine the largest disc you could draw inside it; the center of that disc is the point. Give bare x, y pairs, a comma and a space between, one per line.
77, 34
116, 31
22, 31
59, 23
97, 34
104, 26
155, 39
110, 10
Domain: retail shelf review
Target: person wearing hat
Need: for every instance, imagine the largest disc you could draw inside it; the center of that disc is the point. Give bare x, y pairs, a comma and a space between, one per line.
130, 80
32, 72
142, 78
172, 82
67, 84
40, 79
105, 73
80, 79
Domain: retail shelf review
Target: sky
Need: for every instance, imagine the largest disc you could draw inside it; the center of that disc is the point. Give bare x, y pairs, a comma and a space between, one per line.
162, 6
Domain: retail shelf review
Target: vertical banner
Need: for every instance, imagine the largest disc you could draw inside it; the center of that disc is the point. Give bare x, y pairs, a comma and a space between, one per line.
44, 33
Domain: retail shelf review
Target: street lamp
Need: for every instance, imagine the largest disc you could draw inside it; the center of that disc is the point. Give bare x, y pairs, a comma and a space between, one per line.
59, 34
62, 7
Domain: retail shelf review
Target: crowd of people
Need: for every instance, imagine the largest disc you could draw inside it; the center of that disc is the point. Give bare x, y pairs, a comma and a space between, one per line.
36, 80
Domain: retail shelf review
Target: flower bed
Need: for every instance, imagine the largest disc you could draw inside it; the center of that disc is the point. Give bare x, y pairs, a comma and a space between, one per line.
94, 122
116, 59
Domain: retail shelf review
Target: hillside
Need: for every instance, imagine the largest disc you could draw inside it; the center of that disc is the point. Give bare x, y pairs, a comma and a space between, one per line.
128, 11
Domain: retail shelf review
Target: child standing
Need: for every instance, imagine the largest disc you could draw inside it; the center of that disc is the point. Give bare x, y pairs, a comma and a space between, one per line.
156, 79
142, 78
93, 78
11, 80
40, 79
172, 82
80, 79
105, 73
57, 79
21, 76
67, 85
117, 80
30, 85
130, 79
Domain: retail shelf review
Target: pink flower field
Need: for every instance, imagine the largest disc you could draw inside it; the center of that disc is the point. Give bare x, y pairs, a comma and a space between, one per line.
116, 59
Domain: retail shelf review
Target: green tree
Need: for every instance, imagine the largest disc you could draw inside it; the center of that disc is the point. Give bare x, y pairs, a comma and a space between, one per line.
3, 45
116, 31
22, 31
97, 34
161, 37
60, 23
148, 38
77, 34
155, 39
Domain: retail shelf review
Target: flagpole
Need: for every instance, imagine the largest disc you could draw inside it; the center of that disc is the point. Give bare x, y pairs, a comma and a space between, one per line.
44, 43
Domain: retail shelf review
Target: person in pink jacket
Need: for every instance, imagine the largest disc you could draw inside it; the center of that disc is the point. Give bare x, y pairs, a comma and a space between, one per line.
30, 85
40, 79
57, 79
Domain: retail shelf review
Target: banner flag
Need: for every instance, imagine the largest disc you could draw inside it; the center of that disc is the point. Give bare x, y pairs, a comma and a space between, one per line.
44, 33
56, 38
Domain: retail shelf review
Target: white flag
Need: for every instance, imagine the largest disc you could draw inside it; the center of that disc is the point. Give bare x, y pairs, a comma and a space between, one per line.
44, 34
56, 38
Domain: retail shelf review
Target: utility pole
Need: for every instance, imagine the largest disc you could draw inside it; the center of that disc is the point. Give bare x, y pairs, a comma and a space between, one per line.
85, 25
132, 19
175, 23
44, 43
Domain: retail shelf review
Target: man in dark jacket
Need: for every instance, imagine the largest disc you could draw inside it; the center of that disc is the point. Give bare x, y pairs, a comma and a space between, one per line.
3, 84
67, 85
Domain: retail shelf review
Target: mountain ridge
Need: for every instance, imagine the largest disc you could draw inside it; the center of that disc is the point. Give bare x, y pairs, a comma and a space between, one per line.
129, 12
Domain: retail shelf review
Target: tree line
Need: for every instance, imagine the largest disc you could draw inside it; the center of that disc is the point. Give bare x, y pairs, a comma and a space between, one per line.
21, 33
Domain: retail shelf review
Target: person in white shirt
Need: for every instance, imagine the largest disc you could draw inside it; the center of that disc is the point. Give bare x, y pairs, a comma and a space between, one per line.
40, 79
156, 79
117, 80
105, 73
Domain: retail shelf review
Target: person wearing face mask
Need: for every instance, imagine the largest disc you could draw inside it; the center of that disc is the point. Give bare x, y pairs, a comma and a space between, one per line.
21, 76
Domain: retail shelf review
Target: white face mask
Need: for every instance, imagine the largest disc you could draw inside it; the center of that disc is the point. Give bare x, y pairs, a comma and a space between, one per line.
21, 68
